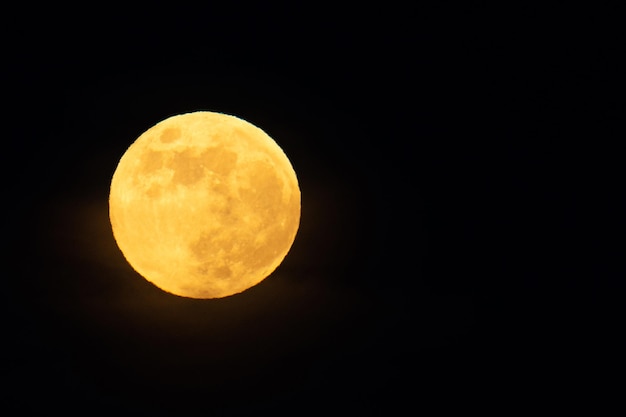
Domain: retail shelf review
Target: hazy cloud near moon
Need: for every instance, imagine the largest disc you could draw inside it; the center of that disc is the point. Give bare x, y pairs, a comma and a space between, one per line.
80, 230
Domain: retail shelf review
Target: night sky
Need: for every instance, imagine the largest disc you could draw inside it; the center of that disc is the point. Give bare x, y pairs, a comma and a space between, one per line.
459, 171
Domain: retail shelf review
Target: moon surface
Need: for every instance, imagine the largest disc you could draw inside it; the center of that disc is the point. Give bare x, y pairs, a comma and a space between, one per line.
204, 205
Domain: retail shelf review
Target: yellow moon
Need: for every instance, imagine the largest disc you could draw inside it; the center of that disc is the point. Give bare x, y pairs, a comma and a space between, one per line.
204, 205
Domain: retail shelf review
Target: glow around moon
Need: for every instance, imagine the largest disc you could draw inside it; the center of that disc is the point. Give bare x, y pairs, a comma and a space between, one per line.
204, 205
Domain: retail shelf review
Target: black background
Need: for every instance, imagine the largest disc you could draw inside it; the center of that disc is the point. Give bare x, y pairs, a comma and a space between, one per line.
462, 210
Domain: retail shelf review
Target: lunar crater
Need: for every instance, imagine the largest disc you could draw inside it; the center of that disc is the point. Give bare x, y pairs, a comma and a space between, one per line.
170, 134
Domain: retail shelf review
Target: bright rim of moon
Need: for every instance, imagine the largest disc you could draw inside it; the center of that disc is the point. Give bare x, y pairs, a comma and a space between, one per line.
204, 205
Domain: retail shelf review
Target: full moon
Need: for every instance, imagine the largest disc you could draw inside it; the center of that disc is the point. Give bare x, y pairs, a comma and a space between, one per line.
204, 205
